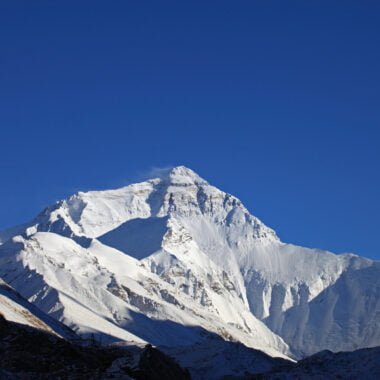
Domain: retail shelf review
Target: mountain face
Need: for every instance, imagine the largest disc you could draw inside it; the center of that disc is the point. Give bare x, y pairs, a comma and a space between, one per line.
14, 308
174, 261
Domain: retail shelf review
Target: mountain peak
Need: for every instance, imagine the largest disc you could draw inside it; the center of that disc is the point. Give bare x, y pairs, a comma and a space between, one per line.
169, 258
179, 175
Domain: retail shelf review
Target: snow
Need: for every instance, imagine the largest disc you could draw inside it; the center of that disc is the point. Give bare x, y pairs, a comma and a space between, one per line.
216, 359
102, 291
173, 259
15, 308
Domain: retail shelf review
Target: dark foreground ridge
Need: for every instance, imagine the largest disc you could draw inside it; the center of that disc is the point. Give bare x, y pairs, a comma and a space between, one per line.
327, 365
28, 353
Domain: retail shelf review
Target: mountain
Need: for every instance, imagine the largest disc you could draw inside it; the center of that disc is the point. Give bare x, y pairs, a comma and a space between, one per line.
326, 365
28, 352
14, 308
216, 359
174, 261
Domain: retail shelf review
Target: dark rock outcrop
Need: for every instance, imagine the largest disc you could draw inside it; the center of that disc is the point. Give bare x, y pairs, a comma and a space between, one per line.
29, 353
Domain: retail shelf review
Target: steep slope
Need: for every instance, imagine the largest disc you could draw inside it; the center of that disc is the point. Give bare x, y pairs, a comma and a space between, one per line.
215, 359
15, 308
102, 292
196, 248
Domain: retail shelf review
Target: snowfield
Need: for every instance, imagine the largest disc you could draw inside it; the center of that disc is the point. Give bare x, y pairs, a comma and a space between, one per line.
14, 308
175, 262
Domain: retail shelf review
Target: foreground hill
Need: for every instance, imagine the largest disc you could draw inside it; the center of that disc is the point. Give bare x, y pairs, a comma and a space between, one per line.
30, 353
326, 365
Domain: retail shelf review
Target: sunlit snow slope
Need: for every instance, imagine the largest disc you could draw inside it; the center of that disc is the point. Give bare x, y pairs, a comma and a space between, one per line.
173, 259
14, 308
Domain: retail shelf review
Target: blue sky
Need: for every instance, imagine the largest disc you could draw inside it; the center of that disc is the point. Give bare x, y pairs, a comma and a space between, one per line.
276, 102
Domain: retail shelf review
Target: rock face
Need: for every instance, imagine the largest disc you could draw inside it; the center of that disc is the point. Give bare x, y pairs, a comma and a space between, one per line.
155, 365
173, 261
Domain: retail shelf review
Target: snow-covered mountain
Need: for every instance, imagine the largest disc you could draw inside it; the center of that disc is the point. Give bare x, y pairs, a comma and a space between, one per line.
174, 261
14, 308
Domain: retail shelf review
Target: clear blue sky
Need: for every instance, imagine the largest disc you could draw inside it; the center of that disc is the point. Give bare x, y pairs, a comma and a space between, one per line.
277, 102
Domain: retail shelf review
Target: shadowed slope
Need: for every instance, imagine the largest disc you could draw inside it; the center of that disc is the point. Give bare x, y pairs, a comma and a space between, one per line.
138, 237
